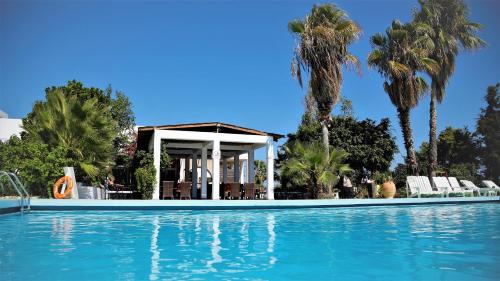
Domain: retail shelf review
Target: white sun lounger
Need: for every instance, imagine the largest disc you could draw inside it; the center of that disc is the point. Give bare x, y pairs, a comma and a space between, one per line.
418, 186
482, 191
492, 185
456, 186
442, 184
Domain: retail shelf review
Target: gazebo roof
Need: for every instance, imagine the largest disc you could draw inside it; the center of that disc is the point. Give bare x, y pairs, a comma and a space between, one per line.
214, 127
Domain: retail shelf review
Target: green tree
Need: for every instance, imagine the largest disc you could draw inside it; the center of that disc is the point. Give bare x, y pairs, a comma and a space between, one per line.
399, 176
370, 146
458, 154
76, 126
422, 159
118, 109
488, 129
397, 56
325, 35
309, 164
122, 114
346, 108
457, 146
145, 174
36, 165
451, 28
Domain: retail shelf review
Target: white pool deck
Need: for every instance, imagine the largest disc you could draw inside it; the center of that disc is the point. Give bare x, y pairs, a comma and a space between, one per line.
89, 204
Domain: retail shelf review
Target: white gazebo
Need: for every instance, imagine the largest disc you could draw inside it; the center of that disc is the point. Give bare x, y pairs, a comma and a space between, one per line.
215, 144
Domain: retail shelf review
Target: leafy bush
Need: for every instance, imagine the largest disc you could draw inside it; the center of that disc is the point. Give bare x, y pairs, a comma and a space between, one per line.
310, 165
382, 177
37, 167
145, 174
146, 179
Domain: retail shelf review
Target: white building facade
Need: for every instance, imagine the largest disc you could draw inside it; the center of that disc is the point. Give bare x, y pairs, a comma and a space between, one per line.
10, 127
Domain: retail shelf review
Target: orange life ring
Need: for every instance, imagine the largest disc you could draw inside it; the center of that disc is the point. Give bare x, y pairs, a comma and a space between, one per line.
59, 182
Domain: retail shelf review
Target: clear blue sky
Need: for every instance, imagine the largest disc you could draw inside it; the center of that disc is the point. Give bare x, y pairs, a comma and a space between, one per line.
195, 61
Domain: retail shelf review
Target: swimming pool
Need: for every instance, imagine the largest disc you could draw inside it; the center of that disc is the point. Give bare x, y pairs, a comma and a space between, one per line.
448, 242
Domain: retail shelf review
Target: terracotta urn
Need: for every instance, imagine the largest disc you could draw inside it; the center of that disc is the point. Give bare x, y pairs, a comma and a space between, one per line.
388, 189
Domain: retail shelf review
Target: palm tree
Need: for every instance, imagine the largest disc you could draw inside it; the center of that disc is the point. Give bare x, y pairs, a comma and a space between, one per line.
84, 131
324, 36
397, 56
260, 173
309, 164
451, 27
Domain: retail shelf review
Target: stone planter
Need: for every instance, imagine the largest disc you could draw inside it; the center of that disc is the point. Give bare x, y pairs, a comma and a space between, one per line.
388, 189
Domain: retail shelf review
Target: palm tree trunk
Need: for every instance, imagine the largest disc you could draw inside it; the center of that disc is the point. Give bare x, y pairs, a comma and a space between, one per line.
326, 143
315, 188
404, 122
326, 139
432, 156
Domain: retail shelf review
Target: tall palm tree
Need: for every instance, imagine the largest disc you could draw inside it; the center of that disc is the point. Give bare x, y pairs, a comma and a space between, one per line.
398, 55
309, 164
451, 28
324, 37
85, 132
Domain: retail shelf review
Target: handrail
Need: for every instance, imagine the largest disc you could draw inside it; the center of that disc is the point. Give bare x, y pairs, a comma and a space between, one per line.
14, 185
18, 186
21, 186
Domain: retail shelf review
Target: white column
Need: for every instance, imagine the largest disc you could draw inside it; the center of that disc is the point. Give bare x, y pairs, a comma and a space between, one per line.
270, 169
70, 171
236, 168
224, 170
194, 175
244, 170
186, 169
182, 169
215, 170
251, 167
204, 173
155, 146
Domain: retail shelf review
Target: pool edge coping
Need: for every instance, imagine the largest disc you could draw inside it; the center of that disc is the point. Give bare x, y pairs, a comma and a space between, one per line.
118, 205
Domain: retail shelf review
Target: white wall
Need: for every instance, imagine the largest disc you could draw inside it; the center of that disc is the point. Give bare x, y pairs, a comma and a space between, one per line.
9, 127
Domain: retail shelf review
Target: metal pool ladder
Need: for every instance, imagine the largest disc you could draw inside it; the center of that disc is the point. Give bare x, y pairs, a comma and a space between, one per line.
19, 187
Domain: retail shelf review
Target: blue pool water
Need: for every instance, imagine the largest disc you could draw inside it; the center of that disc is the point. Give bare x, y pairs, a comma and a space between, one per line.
451, 242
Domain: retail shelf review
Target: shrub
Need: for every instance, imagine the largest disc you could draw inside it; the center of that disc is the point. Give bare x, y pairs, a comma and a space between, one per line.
310, 165
382, 177
36, 165
145, 175
146, 180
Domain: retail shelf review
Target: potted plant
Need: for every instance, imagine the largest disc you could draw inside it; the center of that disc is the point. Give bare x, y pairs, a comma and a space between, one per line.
386, 185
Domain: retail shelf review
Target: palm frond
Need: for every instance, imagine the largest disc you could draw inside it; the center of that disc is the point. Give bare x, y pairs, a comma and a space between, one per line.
324, 36
296, 26
398, 70
430, 66
89, 169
